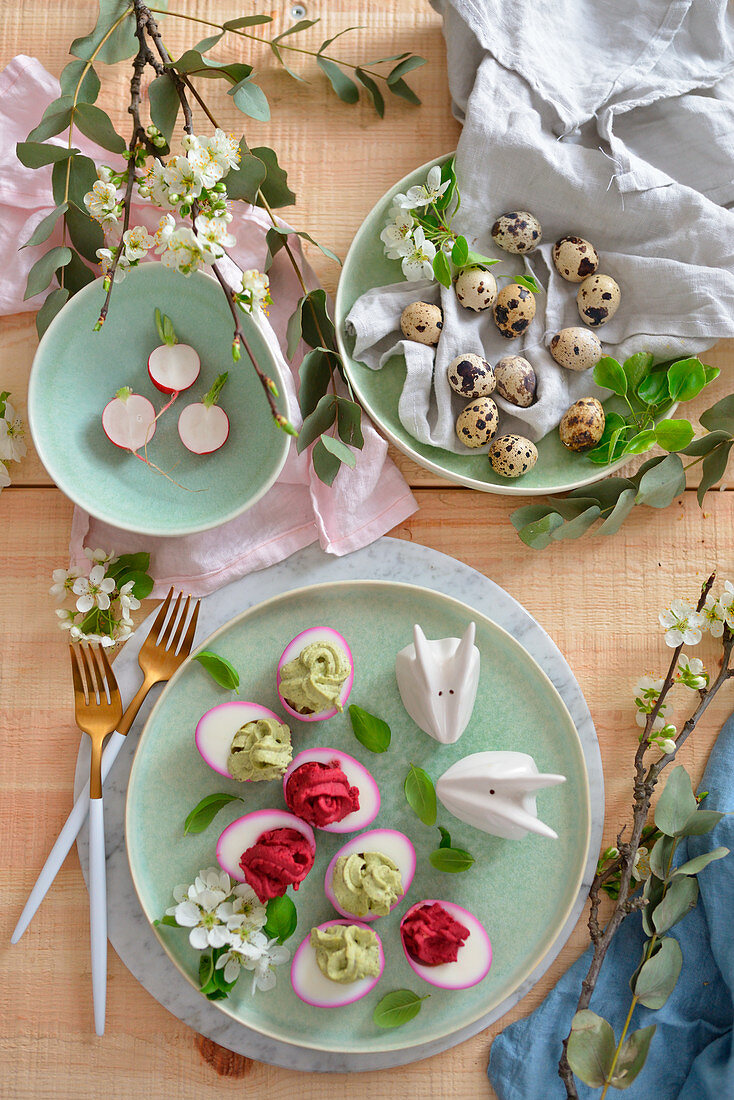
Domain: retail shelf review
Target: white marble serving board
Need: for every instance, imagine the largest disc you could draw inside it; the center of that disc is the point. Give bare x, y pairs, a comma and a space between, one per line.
387, 559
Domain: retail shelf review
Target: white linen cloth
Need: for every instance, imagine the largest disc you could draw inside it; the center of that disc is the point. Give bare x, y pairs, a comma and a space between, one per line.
613, 121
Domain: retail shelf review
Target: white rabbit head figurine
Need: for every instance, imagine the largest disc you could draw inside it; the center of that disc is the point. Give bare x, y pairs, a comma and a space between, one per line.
438, 682
495, 792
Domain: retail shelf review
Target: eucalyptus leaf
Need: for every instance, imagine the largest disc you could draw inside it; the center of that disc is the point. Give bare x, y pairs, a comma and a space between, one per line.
86, 234
96, 124
674, 435
632, 1057
274, 187
700, 822
246, 21
317, 422
539, 533
713, 469
658, 976
451, 860
327, 41
207, 43
420, 794
315, 374
706, 443
676, 803
301, 25
44, 270
342, 84
76, 274
652, 892
219, 668
591, 1048
370, 731
76, 71
680, 897
326, 465
404, 91
397, 1008
81, 174
661, 857
610, 374
662, 482
445, 841
164, 108
339, 450
317, 327
205, 811
121, 44
720, 416
34, 154
574, 528
622, 508
251, 100
282, 918
194, 63
245, 181
284, 63
55, 118
378, 101
406, 66
45, 227
349, 422
693, 866
54, 303
686, 378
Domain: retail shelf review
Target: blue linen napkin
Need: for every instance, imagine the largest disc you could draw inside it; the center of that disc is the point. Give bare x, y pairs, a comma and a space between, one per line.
691, 1055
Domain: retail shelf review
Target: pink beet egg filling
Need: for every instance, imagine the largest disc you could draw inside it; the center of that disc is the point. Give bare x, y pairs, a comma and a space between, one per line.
474, 956
245, 832
315, 988
317, 634
396, 846
216, 729
336, 793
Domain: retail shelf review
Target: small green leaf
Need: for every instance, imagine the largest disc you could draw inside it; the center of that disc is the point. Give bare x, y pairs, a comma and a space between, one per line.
676, 803
460, 252
681, 896
195, 63
244, 182
476, 259
720, 417
326, 465
205, 811
339, 450
591, 1048
641, 442
615, 519
75, 71
662, 482
700, 822
301, 25
206, 969
317, 422
164, 108
636, 368
674, 435
342, 84
706, 443
403, 67
275, 185
686, 378
713, 469
246, 21
251, 100
528, 282
169, 921
610, 374
126, 563
82, 175
693, 866
539, 533
661, 857
44, 269
54, 303
86, 234
370, 731
376, 96
327, 41
349, 422
328, 252
652, 892
441, 268
398, 1008
45, 227
77, 274
316, 324
96, 124
420, 794
445, 841
656, 980
282, 918
120, 45
207, 43
56, 118
575, 528
451, 860
219, 668
404, 91
284, 63
34, 154
653, 389
315, 374
632, 1057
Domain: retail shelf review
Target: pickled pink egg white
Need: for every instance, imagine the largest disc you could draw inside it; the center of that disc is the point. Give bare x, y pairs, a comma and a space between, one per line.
357, 776
215, 730
296, 647
474, 957
396, 846
246, 831
315, 988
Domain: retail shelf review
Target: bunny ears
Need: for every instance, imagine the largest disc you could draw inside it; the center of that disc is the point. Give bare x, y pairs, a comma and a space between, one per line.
438, 683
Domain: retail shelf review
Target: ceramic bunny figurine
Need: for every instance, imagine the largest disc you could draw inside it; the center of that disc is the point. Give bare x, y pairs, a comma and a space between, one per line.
495, 792
438, 682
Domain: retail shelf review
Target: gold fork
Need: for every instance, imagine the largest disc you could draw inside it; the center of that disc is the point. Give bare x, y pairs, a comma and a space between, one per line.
98, 710
163, 651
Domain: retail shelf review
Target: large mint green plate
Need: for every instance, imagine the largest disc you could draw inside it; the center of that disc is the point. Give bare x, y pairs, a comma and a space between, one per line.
77, 371
557, 470
522, 891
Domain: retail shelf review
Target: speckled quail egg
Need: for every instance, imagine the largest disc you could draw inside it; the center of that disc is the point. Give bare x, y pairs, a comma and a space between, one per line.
582, 426
574, 259
477, 423
598, 299
512, 455
422, 322
476, 289
515, 380
576, 348
514, 310
517, 231
471, 376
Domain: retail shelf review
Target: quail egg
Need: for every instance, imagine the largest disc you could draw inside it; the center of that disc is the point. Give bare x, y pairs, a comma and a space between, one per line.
582, 426
576, 348
515, 379
471, 376
514, 310
512, 455
574, 259
477, 423
422, 322
476, 288
598, 299
517, 231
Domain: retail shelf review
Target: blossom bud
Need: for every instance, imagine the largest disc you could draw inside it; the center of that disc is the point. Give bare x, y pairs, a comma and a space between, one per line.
284, 425
173, 197
144, 191
236, 353
106, 283
667, 746
219, 186
271, 386
159, 141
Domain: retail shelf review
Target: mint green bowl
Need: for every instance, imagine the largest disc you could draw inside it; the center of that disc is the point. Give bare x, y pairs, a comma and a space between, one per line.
522, 891
77, 371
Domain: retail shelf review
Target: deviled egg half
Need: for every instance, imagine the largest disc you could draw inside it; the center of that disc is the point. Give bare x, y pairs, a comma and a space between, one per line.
244, 741
433, 931
269, 849
331, 791
339, 962
315, 674
370, 874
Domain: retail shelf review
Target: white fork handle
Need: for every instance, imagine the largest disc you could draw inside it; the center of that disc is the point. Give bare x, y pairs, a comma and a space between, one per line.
98, 910
65, 840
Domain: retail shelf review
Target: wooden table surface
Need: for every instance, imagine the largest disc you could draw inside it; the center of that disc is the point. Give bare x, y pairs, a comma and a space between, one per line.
598, 598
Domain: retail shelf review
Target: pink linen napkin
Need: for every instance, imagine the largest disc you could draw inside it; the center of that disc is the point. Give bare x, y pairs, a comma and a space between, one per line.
362, 504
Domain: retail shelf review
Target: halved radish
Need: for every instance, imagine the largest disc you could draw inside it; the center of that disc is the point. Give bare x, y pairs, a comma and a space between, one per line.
128, 420
203, 426
247, 830
216, 729
315, 988
474, 958
172, 367
356, 775
396, 846
315, 635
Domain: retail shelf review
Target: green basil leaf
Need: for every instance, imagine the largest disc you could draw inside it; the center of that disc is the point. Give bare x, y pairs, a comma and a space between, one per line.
674, 435
445, 841
282, 918
397, 1008
219, 668
205, 811
420, 794
370, 731
342, 84
610, 374
451, 860
686, 378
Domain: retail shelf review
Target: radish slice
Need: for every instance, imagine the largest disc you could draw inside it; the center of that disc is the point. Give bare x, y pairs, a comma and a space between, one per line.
204, 427
247, 830
315, 988
128, 420
173, 368
216, 729
357, 775
473, 960
396, 846
294, 650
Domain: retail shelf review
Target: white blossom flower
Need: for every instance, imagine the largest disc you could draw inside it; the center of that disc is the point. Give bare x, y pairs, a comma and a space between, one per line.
691, 672
137, 242
63, 582
273, 955
106, 258
682, 624
99, 556
418, 263
225, 150
207, 168
157, 186
213, 235
641, 866
183, 179
397, 234
12, 435
104, 173
94, 590
246, 913
255, 289
4, 476
101, 202
197, 909
658, 721
164, 232
105, 640
244, 953
714, 615
183, 252
426, 193
726, 603
128, 602
666, 745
